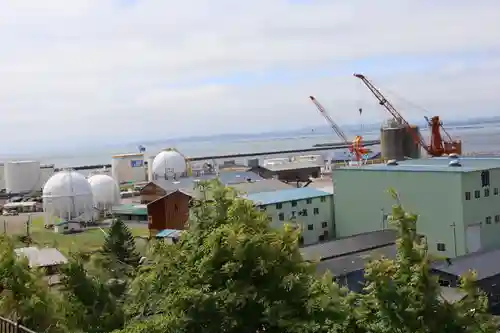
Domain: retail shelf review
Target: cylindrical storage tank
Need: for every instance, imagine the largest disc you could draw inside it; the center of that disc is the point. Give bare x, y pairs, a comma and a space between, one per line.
128, 168
169, 164
46, 171
105, 192
22, 176
67, 195
2, 178
411, 148
150, 168
391, 142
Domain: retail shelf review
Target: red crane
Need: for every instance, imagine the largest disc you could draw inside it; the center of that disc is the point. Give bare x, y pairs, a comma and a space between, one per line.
438, 145
356, 146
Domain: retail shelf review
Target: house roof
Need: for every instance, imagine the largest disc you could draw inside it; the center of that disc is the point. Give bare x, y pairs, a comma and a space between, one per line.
42, 257
292, 194
225, 177
484, 263
344, 265
292, 166
349, 245
129, 209
264, 185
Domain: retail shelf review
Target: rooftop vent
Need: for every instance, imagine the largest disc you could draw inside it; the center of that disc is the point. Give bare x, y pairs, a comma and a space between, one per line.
455, 163
392, 162
453, 156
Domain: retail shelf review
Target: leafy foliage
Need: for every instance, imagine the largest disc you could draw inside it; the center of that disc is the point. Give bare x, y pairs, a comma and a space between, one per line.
230, 272
92, 307
25, 296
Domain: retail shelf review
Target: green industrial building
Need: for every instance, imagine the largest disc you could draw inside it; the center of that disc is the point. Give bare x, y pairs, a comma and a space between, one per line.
457, 200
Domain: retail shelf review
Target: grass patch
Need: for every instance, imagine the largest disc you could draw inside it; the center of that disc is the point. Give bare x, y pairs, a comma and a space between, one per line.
85, 241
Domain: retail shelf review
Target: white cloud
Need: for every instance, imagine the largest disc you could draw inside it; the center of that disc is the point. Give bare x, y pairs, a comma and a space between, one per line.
84, 70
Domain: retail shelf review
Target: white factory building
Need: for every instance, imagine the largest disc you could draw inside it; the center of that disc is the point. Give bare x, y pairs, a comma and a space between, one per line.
128, 168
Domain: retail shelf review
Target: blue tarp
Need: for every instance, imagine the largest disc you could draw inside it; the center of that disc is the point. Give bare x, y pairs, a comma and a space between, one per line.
168, 233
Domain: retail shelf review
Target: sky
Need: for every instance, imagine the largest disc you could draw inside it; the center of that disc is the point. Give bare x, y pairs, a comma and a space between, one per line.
81, 72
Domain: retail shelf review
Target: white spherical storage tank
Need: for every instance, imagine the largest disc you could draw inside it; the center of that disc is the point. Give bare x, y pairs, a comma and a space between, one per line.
169, 164
105, 191
67, 195
22, 176
127, 168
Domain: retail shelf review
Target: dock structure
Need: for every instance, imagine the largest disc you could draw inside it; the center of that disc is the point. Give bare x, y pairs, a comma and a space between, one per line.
333, 146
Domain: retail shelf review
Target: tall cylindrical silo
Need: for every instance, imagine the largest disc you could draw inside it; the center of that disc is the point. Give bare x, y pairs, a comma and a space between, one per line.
411, 147
22, 176
150, 168
391, 141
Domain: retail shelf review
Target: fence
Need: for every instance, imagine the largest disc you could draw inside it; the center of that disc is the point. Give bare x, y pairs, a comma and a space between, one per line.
8, 326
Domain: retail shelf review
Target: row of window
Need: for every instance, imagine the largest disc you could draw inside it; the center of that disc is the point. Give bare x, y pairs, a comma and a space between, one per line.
477, 193
321, 238
303, 212
279, 205
488, 219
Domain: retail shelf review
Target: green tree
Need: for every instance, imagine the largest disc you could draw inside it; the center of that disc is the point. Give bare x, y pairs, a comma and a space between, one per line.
92, 307
25, 296
402, 295
119, 248
232, 273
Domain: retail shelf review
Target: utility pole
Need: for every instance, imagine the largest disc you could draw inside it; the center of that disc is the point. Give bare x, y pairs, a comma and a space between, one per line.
453, 225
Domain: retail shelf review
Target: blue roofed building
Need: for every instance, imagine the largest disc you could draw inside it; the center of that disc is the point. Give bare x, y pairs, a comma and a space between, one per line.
457, 200
309, 209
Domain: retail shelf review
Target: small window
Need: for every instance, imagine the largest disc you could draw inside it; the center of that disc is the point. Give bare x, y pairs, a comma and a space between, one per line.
486, 192
385, 217
301, 240
304, 212
309, 201
467, 195
488, 220
294, 203
294, 214
310, 227
316, 211
325, 233
323, 199
324, 224
495, 191
281, 216
497, 218
444, 283
441, 247
321, 238
477, 194
485, 178
279, 205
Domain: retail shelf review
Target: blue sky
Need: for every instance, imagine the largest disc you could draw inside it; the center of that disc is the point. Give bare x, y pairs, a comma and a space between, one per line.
77, 73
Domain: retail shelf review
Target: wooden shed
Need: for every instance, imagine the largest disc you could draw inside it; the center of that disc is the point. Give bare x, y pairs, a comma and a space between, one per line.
171, 211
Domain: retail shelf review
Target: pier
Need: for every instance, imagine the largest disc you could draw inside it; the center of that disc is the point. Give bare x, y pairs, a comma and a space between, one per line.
332, 146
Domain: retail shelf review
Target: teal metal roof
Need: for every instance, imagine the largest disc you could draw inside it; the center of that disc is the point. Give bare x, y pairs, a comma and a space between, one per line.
128, 209
435, 164
267, 198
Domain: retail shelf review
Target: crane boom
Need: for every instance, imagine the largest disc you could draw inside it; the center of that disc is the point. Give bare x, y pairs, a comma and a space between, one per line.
392, 110
330, 121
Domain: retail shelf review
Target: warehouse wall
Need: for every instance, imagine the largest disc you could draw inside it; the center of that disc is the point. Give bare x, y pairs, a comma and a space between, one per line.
362, 203
477, 210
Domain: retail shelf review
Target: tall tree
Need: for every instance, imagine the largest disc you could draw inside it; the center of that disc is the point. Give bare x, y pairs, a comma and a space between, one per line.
402, 296
232, 273
119, 246
25, 296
